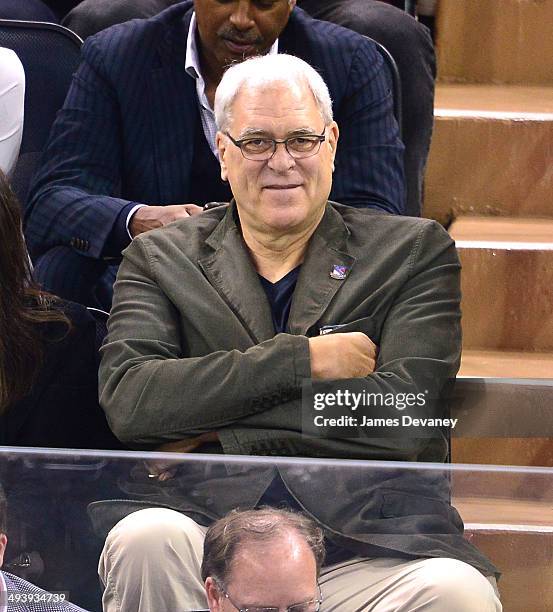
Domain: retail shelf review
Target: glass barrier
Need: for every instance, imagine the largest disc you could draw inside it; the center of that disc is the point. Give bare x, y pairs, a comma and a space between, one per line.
62, 504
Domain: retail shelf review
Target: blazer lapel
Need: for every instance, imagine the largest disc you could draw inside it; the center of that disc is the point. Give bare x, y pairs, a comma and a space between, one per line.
325, 269
230, 270
171, 92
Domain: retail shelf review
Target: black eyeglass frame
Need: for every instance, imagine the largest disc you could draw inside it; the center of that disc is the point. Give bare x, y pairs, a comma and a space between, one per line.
320, 137
318, 602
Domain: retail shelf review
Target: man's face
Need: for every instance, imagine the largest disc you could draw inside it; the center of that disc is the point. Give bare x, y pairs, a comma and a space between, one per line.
231, 30
282, 194
275, 574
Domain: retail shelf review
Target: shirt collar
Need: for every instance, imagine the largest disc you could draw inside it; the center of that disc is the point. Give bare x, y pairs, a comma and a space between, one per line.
192, 60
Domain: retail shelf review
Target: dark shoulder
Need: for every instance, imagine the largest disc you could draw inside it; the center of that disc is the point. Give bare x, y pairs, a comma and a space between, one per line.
308, 37
370, 228
302, 23
344, 58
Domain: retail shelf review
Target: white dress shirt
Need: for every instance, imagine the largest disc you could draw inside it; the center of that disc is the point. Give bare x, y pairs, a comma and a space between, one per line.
12, 102
193, 68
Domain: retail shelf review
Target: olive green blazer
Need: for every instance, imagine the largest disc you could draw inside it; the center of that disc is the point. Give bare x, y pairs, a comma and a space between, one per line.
191, 348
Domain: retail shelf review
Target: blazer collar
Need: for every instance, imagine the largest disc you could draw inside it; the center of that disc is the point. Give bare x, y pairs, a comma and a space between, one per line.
176, 23
230, 269
325, 269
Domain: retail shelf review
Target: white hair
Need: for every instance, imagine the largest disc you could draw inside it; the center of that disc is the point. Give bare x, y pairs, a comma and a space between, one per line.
265, 70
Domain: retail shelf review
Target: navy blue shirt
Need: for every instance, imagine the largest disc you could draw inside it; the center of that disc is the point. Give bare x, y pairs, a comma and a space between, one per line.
280, 296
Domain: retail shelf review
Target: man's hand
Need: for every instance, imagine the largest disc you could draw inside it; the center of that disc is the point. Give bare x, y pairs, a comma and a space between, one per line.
149, 217
345, 355
162, 470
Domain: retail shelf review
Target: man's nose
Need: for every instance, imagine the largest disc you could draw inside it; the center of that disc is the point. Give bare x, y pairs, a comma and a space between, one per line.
241, 16
281, 161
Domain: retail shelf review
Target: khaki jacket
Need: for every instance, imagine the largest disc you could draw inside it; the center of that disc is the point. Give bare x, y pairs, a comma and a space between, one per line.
191, 349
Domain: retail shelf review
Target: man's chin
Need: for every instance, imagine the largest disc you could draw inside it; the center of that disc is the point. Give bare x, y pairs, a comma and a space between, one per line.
229, 57
282, 219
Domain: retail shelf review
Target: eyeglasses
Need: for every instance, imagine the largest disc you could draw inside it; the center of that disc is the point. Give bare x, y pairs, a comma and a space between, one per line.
313, 605
263, 149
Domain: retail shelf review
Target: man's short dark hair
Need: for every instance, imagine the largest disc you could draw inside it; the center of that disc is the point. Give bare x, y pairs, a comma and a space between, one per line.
3, 511
245, 526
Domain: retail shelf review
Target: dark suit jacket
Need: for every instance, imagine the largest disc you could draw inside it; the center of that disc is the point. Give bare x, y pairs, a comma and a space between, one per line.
17, 587
125, 133
191, 348
62, 409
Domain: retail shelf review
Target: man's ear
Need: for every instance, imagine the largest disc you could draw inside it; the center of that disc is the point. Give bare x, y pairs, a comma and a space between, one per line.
333, 136
221, 143
3, 543
213, 595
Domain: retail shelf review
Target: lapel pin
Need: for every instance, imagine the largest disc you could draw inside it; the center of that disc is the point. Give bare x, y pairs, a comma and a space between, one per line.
339, 272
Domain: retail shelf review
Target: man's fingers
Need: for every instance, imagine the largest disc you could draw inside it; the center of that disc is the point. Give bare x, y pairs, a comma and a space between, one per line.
193, 209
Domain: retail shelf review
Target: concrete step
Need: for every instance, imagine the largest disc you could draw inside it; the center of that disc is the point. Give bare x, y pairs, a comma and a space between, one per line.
491, 153
507, 283
496, 41
506, 364
517, 535
528, 452
503, 232
508, 513
503, 421
494, 494
525, 559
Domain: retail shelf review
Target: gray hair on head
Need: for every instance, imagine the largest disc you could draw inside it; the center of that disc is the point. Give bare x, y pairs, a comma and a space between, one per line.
255, 526
266, 70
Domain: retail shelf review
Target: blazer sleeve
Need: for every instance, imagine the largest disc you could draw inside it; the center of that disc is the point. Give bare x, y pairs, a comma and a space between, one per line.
73, 193
369, 161
152, 392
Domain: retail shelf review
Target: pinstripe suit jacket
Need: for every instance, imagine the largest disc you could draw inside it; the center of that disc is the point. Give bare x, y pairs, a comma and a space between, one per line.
16, 585
125, 133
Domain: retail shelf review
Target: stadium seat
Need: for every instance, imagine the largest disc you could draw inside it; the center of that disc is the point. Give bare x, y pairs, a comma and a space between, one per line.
50, 54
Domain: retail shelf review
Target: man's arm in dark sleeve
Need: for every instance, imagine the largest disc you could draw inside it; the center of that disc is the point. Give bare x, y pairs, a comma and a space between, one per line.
369, 162
72, 194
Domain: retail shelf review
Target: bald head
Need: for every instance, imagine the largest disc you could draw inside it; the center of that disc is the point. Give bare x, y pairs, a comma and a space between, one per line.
262, 558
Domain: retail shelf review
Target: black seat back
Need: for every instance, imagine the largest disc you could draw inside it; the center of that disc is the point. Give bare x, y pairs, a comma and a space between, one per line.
50, 55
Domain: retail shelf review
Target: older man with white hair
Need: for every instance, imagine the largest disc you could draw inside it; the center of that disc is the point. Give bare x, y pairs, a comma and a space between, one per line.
219, 320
